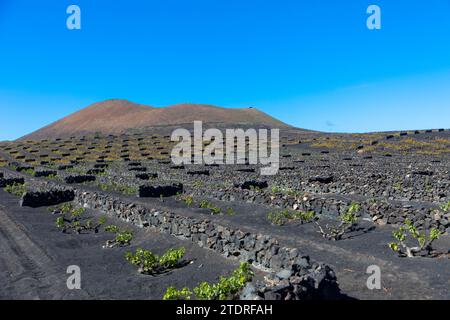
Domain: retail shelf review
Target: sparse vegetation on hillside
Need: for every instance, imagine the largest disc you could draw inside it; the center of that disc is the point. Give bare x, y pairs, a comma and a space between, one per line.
73, 220
205, 204
424, 240
226, 289
122, 238
346, 224
283, 216
118, 187
16, 189
446, 207
149, 263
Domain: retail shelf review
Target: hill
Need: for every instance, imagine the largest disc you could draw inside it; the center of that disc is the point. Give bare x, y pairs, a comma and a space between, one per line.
120, 116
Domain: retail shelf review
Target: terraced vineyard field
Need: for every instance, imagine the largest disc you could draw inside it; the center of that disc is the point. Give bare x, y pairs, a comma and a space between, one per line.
339, 205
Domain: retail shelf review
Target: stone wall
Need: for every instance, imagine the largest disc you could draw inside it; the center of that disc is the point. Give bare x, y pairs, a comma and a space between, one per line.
293, 275
10, 181
35, 199
423, 215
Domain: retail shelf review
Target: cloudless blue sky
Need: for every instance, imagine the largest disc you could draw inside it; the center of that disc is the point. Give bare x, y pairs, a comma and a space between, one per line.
311, 63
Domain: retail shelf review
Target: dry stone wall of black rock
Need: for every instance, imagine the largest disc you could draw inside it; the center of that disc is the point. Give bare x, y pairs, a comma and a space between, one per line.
79, 179
417, 185
294, 275
157, 191
8, 181
45, 173
423, 215
393, 181
40, 198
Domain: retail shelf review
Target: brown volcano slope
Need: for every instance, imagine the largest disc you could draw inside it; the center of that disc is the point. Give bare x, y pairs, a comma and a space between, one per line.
119, 116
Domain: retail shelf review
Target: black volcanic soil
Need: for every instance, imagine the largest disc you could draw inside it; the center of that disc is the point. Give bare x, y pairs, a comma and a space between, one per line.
417, 278
393, 176
34, 257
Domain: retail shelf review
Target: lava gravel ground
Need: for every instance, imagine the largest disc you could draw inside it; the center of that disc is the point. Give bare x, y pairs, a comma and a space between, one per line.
401, 278
34, 257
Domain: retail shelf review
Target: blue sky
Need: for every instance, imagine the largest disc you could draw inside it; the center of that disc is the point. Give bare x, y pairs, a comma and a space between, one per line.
313, 64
